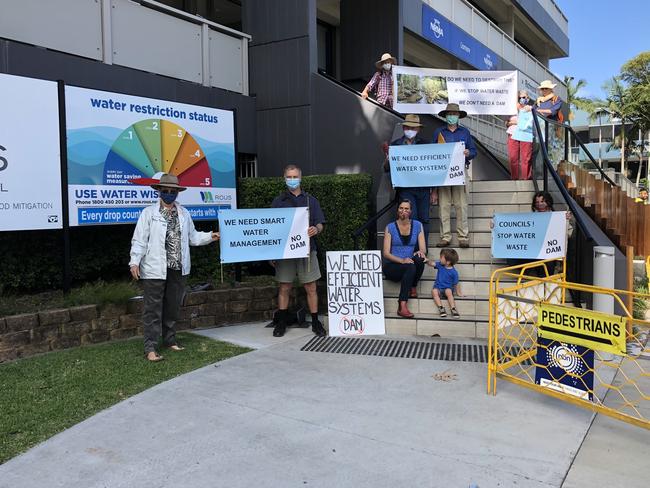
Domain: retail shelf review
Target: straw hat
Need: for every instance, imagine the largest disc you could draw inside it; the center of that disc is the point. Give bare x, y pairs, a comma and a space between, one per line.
168, 181
412, 120
547, 84
385, 57
453, 107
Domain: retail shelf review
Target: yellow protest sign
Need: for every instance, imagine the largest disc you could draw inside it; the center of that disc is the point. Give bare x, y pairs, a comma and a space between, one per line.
594, 330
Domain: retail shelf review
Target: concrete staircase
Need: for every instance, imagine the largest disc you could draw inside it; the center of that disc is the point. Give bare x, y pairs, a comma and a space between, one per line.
475, 266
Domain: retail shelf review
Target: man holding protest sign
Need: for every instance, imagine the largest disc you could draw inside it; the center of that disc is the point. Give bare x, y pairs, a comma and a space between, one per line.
160, 257
456, 195
307, 270
418, 196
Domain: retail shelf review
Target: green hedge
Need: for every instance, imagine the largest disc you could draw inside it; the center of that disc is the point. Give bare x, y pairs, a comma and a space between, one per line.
33, 260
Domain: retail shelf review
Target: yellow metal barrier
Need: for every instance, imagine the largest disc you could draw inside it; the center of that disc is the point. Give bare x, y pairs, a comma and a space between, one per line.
602, 364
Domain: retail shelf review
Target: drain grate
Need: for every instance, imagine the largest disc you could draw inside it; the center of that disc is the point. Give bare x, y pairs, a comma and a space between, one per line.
393, 348
441, 351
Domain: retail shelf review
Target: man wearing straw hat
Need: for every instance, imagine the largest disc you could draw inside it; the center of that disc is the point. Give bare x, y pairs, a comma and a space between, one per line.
306, 270
160, 257
456, 195
382, 81
549, 104
420, 196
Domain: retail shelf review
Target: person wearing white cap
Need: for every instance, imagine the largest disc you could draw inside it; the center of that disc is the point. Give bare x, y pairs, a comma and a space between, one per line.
160, 257
382, 81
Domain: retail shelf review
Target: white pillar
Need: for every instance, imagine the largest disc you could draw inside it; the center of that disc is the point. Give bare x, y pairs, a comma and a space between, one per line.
604, 277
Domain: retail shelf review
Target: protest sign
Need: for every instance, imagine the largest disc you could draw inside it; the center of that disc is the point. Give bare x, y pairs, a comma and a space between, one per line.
263, 234
30, 155
529, 235
115, 140
427, 90
417, 165
355, 293
565, 367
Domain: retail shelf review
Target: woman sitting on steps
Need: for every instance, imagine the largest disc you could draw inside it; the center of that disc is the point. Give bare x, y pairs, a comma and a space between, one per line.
404, 255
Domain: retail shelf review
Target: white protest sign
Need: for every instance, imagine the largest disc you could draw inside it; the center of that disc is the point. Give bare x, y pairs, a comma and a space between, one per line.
30, 154
355, 293
418, 165
529, 235
427, 90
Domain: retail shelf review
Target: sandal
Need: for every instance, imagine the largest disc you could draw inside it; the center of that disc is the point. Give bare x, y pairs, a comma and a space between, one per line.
441, 311
153, 357
175, 347
455, 313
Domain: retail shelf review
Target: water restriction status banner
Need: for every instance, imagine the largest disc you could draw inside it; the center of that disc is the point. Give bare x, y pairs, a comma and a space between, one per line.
418, 165
355, 293
115, 138
263, 234
30, 155
529, 235
427, 90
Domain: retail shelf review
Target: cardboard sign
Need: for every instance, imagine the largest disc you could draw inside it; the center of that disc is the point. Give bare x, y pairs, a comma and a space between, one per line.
263, 234
418, 165
529, 235
355, 293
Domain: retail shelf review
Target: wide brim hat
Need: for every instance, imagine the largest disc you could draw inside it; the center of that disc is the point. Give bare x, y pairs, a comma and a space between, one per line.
412, 120
547, 84
168, 181
385, 57
453, 107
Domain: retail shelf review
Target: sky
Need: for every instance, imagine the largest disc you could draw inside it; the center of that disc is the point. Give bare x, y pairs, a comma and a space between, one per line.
603, 34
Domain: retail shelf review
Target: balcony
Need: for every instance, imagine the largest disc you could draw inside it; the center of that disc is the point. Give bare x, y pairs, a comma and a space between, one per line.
144, 35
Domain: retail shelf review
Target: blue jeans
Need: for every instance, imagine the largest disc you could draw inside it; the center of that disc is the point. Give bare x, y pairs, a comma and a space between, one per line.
420, 204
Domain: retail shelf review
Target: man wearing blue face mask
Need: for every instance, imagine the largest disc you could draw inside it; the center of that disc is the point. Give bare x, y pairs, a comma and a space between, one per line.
456, 195
160, 257
307, 270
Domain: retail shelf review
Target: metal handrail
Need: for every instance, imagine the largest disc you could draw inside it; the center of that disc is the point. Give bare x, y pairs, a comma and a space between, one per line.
577, 139
551, 169
372, 220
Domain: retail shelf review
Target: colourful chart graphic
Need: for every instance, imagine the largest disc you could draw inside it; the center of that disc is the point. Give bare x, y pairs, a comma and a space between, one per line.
156, 145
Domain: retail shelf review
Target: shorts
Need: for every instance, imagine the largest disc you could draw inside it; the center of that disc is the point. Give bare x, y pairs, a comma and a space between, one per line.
307, 270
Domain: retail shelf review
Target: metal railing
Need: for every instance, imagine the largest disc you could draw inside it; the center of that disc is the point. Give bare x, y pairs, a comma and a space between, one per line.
144, 35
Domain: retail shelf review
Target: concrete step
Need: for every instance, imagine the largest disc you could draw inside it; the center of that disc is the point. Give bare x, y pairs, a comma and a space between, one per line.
470, 326
501, 198
425, 304
476, 239
469, 288
467, 271
502, 186
483, 210
476, 224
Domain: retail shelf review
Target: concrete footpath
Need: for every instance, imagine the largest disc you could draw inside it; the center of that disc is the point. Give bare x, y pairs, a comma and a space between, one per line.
281, 417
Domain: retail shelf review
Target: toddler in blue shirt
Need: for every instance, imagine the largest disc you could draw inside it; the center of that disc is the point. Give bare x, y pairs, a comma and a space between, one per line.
446, 281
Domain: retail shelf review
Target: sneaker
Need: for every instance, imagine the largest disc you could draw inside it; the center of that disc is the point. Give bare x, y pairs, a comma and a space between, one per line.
442, 311
443, 243
318, 329
279, 330
455, 313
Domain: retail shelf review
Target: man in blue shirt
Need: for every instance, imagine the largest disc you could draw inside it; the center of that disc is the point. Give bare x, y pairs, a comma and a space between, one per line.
418, 196
456, 195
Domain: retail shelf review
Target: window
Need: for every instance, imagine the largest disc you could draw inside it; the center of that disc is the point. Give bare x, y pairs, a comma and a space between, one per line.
326, 36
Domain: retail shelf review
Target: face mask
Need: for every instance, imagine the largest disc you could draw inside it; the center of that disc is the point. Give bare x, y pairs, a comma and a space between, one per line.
386, 66
452, 119
168, 197
410, 134
523, 101
292, 183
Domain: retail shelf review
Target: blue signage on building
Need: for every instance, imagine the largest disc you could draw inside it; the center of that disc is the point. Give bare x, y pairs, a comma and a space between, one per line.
453, 39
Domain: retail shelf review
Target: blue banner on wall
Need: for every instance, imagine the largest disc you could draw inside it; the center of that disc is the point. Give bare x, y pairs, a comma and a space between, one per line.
442, 32
565, 367
263, 234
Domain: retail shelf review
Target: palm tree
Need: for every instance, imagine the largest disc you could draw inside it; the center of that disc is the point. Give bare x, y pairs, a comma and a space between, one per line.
617, 95
573, 100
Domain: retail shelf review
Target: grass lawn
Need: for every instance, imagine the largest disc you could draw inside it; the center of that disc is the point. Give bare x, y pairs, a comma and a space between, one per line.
44, 395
